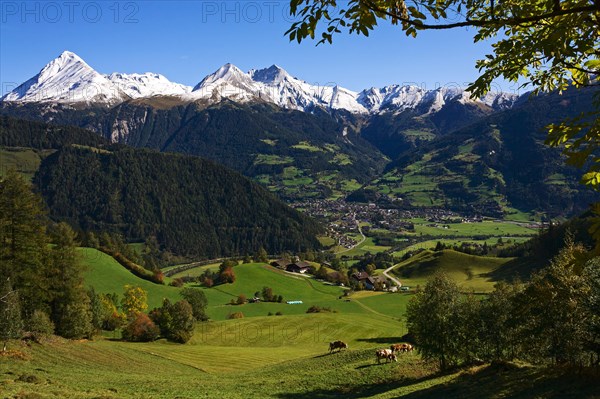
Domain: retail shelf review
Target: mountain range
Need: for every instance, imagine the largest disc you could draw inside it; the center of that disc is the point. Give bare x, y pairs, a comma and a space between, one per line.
70, 80
402, 145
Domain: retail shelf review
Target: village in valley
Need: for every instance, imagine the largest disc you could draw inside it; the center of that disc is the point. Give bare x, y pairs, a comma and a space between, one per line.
348, 221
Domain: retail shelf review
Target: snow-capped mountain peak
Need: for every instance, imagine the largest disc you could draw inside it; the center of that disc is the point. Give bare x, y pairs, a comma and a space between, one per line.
67, 63
271, 75
227, 82
227, 73
67, 79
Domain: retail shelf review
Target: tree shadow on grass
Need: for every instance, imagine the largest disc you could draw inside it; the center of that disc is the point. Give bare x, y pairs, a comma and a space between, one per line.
364, 366
363, 391
483, 382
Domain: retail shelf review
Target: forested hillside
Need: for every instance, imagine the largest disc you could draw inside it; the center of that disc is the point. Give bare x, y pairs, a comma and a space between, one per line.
395, 133
293, 153
193, 206
21, 133
493, 166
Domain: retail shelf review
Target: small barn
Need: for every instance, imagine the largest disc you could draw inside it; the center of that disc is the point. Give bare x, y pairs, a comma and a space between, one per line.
280, 263
298, 267
370, 282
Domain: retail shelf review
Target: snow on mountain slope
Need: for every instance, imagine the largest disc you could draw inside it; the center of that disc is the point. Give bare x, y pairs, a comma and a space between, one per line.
273, 85
68, 79
227, 82
147, 85
391, 97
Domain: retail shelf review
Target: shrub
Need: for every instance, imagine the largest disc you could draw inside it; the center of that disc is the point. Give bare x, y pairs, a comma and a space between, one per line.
279, 313
207, 282
75, 320
40, 325
178, 282
318, 309
141, 329
241, 299
158, 276
235, 315
267, 294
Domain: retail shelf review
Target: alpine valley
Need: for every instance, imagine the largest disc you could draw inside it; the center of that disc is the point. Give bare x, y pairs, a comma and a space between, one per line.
256, 236
399, 146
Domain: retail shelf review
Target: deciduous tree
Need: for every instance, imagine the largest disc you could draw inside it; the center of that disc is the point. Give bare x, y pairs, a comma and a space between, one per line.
431, 318
197, 300
134, 301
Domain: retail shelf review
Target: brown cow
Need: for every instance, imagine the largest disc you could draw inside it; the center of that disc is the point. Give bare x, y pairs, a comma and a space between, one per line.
339, 345
386, 354
401, 347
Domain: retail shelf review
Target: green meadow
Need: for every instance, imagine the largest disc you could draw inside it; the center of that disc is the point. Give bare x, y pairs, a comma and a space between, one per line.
261, 356
471, 273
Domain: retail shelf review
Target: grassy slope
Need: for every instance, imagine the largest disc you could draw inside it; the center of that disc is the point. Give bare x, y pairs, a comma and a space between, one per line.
110, 370
260, 357
430, 244
469, 271
486, 228
24, 160
107, 276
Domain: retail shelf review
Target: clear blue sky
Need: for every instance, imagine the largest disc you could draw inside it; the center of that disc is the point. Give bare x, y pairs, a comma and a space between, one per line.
186, 40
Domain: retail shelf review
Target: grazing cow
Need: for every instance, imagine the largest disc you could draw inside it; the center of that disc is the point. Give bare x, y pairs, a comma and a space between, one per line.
401, 348
339, 345
386, 354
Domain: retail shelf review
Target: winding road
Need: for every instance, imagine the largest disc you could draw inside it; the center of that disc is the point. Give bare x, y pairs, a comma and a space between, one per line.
394, 279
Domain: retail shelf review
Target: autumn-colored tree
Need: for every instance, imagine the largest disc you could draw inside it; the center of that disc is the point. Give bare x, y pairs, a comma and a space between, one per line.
241, 299
226, 273
141, 329
134, 301
207, 282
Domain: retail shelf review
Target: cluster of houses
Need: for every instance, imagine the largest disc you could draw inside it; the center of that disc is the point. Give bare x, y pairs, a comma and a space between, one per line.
343, 217
369, 282
372, 282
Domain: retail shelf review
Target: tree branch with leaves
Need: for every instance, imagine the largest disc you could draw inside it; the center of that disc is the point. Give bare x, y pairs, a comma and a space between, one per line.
543, 45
